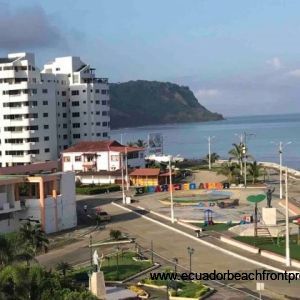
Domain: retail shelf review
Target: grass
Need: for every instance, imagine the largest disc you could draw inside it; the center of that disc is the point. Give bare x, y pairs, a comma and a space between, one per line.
186, 289
273, 247
126, 268
215, 227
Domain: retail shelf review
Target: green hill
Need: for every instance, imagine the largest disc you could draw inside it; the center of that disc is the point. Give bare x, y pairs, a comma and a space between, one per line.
140, 103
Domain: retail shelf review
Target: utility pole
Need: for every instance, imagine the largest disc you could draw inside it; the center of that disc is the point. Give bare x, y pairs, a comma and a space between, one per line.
171, 189
209, 139
280, 170
122, 172
245, 155
287, 231
126, 169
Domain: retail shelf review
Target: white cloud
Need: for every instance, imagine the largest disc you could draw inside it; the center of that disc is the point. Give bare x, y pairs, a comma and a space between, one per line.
207, 93
275, 62
294, 73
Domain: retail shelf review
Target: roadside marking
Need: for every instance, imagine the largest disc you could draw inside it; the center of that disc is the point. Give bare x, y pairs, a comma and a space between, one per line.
254, 262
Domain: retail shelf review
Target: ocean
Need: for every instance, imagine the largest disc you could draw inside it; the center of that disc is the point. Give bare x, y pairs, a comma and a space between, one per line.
190, 139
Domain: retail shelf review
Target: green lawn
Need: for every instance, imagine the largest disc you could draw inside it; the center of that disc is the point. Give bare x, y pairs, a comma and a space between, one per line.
186, 289
126, 268
279, 249
215, 227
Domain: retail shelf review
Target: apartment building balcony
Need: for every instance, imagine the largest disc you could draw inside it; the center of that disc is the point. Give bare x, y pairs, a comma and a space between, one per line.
89, 163
94, 80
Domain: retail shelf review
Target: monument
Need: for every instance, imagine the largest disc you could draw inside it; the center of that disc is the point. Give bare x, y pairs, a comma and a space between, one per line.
97, 283
269, 214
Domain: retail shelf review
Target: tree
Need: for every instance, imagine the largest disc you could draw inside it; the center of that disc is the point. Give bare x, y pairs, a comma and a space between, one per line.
130, 144
115, 234
213, 157
254, 170
141, 143
35, 236
63, 267
236, 153
229, 169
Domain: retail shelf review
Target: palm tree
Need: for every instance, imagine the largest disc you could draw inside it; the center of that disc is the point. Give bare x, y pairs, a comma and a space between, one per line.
141, 143
254, 170
35, 236
230, 170
236, 153
63, 267
213, 157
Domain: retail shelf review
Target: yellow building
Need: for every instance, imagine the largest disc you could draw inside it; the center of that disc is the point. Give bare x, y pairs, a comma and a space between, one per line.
145, 177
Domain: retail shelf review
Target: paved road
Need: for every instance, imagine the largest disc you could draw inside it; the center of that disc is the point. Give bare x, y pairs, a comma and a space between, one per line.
168, 244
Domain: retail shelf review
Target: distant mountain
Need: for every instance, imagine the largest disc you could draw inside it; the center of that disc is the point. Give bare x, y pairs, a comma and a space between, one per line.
140, 103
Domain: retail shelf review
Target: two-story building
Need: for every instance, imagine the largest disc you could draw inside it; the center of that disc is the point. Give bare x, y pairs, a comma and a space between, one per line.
101, 161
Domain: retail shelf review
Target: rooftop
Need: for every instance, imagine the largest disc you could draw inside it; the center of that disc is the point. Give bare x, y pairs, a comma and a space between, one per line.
145, 172
6, 60
98, 146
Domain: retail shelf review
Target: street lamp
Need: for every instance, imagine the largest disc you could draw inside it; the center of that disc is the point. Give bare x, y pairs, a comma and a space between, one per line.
126, 169
244, 149
280, 151
175, 260
209, 139
287, 231
122, 173
190, 252
169, 159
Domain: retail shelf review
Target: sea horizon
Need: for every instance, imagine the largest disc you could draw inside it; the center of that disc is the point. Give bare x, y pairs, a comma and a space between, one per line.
190, 139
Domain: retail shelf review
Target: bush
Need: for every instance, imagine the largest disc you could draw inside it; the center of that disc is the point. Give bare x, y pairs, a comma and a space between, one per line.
96, 189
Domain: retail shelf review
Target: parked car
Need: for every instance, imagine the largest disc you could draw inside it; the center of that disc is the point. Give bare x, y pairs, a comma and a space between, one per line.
103, 216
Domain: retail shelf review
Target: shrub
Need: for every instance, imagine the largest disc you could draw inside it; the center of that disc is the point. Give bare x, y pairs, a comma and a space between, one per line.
96, 189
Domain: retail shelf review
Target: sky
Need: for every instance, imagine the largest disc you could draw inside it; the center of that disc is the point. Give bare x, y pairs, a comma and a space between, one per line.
238, 57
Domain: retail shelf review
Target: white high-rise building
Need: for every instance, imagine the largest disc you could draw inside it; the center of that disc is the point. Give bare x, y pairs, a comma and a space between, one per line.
43, 113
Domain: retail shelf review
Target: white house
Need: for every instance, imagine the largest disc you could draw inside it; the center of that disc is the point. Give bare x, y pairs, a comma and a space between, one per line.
101, 161
47, 198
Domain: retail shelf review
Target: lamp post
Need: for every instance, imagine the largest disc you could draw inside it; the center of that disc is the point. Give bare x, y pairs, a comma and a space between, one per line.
241, 143
209, 139
280, 151
190, 252
126, 169
287, 231
175, 260
245, 155
122, 172
171, 190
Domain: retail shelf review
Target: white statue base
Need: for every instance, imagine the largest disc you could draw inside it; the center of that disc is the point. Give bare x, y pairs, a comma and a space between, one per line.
269, 215
97, 285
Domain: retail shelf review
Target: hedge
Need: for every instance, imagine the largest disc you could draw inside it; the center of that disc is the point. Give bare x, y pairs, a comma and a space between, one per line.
97, 189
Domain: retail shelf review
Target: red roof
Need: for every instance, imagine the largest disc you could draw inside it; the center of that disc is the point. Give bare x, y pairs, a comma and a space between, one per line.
98, 146
145, 172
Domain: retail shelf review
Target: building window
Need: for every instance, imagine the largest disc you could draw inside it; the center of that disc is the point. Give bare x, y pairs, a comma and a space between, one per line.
104, 124
75, 114
114, 157
46, 126
45, 115
104, 102
64, 104
45, 91
64, 93
97, 91
47, 150
76, 136
33, 151
65, 125
76, 125
45, 102
97, 112
67, 159
105, 134
105, 113
78, 158
65, 147
64, 115
98, 124
98, 134
75, 93
75, 103
46, 138
97, 101
104, 92
83, 91
65, 136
